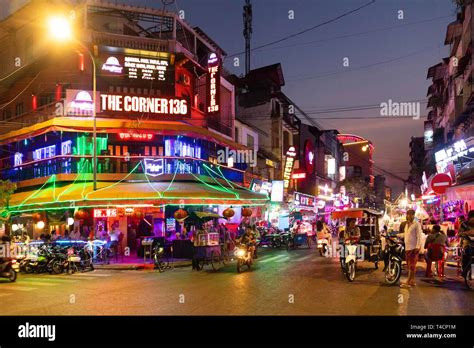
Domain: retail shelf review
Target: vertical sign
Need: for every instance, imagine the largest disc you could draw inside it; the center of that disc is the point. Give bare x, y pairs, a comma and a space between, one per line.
213, 84
288, 169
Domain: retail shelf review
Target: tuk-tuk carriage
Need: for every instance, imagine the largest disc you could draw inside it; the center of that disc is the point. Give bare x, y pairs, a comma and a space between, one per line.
367, 246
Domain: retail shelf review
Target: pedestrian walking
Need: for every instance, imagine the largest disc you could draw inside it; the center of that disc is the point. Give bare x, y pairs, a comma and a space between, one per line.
412, 237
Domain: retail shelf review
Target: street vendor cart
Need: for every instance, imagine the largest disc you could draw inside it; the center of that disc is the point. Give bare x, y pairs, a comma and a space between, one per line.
208, 251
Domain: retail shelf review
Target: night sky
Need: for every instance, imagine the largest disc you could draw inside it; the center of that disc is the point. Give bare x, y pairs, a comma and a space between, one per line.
401, 56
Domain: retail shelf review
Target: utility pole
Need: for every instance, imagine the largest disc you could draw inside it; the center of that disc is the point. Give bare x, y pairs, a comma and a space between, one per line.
247, 33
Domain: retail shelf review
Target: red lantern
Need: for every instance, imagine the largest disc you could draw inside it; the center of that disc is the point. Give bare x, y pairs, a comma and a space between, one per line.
228, 213
246, 212
180, 214
81, 214
36, 217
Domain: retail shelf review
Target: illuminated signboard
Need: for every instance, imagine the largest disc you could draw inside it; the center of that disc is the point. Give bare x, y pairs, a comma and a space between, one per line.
152, 105
452, 156
137, 65
303, 200
213, 84
136, 136
309, 156
105, 213
17, 159
298, 176
277, 191
428, 135
79, 103
112, 65
266, 187
44, 152
153, 167
290, 160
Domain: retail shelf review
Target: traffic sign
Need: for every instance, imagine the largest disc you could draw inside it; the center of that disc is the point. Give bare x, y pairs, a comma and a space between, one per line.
440, 183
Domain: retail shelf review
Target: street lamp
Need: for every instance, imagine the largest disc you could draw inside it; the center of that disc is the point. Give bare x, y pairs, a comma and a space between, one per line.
60, 30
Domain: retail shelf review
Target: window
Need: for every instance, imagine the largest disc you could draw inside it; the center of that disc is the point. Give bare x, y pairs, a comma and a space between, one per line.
250, 141
286, 141
19, 109
236, 135
6, 114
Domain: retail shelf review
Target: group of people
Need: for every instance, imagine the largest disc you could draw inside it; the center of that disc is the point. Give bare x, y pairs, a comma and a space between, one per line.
435, 244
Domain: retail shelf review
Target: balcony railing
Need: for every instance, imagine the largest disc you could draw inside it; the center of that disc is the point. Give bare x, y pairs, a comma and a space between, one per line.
71, 164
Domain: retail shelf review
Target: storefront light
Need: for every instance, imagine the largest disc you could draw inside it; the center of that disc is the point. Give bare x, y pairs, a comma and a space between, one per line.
40, 225
15, 227
70, 221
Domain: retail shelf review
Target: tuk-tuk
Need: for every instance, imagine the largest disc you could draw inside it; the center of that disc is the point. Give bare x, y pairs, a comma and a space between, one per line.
367, 247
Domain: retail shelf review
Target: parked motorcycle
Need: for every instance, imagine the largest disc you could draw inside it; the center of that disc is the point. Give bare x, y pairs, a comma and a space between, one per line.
8, 269
40, 262
244, 257
392, 256
158, 258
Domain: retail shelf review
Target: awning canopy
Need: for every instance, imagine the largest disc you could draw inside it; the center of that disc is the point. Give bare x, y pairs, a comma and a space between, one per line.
354, 213
460, 192
132, 193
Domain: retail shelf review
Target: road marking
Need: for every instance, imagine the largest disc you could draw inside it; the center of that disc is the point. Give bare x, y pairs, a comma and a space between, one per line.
273, 258
303, 258
3, 294
285, 259
35, 283
92, 274
17, 287
55, 279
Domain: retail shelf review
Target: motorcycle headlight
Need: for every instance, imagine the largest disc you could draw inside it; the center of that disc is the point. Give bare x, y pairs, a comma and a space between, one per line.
240, 252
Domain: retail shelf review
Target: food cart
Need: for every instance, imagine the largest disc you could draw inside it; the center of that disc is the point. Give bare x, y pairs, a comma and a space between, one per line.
207, 251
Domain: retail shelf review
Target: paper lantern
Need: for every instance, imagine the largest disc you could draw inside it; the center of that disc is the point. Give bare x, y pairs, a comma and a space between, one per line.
180, 214
36, 217
246, 212
81, 214
228, 213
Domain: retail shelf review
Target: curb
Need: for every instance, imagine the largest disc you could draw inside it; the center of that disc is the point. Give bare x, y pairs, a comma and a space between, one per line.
135, 267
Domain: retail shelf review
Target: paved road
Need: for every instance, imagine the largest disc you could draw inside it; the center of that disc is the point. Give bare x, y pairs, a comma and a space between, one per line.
282, 283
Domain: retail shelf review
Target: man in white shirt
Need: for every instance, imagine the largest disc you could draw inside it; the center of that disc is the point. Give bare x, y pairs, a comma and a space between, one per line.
412, 235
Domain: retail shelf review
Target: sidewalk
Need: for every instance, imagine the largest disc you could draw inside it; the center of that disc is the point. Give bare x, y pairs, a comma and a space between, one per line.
136, 263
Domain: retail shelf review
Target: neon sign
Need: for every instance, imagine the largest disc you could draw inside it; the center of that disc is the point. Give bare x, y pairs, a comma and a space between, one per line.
213, 83
153, 105
18, 159
154, 167
298, 176
105, 213
112, 65
290, 160
303, 200
79, 102
136, 136
44, 152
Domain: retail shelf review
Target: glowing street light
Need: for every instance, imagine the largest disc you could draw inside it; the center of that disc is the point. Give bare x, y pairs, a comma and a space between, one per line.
60, 30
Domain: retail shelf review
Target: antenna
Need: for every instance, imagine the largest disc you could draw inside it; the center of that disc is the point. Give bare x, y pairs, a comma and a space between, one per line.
247, 33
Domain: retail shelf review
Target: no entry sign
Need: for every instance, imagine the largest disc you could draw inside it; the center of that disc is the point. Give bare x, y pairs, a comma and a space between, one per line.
440, 183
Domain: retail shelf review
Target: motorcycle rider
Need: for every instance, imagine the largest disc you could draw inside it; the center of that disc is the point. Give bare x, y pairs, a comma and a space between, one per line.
248, 239
323, 233
351, 231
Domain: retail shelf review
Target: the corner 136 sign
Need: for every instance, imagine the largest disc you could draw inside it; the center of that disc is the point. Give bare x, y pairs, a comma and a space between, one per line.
213, 84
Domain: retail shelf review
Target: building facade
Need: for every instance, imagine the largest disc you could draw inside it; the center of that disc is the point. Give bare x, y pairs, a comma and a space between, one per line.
162, 118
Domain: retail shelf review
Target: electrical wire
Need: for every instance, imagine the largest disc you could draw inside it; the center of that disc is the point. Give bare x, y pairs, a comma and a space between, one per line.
307, 30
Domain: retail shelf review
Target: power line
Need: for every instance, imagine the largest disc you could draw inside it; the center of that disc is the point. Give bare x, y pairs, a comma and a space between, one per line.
336, 72
306, 30
331, 39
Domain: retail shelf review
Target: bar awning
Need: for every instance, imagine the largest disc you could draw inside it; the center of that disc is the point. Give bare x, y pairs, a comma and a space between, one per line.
132, 193
460, 192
